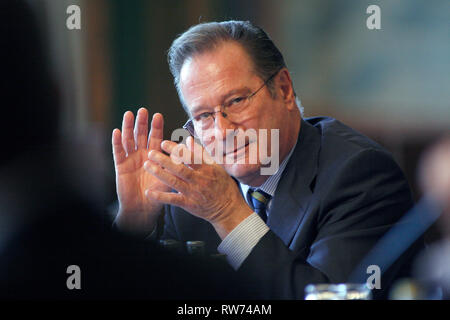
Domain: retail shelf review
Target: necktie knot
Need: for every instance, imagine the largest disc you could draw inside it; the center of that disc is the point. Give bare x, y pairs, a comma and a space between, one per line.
259, 200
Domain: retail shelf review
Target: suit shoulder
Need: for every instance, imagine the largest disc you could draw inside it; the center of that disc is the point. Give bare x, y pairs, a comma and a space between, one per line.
340, 141
345, 152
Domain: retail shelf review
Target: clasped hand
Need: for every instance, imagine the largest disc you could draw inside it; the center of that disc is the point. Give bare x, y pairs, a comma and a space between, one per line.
145, 177
204, 190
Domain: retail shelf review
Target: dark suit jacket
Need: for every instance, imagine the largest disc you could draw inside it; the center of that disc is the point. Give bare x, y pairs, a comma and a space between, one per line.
340, 192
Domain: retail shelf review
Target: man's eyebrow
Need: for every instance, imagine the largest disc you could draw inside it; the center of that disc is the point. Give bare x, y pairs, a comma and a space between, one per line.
222, 98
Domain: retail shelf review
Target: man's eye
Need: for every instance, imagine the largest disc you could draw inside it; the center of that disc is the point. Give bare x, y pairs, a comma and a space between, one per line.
202, 116
235, 101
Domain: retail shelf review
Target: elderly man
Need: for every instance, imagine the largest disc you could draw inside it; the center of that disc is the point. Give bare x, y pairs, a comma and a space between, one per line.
334, 195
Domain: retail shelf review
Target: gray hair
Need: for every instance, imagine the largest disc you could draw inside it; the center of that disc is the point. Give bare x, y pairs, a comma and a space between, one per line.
266, 57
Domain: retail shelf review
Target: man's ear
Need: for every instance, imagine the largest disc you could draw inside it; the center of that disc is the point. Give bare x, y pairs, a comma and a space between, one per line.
285, 88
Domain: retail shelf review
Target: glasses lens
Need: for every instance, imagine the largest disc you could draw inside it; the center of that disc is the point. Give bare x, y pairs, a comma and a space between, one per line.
204, 123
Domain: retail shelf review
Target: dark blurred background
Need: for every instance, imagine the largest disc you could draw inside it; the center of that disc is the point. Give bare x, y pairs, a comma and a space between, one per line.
391, 84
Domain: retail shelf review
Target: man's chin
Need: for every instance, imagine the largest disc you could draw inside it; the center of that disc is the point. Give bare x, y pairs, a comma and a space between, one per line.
242, 172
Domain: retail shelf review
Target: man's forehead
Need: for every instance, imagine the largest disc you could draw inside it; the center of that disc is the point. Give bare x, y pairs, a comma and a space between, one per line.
228, 59
214, 73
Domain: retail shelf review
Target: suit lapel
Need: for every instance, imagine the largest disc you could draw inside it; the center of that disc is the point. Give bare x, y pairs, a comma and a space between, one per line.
293, 193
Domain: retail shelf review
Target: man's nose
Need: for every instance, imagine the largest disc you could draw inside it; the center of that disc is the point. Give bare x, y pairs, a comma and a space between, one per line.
223, 126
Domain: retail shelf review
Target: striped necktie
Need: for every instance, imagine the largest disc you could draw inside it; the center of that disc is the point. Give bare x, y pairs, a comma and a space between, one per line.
258, 199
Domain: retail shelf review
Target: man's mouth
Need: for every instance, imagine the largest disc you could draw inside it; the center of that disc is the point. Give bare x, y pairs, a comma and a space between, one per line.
237, 149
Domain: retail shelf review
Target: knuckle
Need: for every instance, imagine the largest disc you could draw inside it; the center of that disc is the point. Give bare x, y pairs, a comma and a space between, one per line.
189, 174
173, 181
155, 170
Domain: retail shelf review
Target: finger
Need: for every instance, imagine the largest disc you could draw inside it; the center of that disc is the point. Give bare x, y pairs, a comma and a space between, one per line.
176, 199
190, 155
177, 169
168, 146
166, 177
199, 152
156, 132
119, 153
141, 129
127, 132
178, 152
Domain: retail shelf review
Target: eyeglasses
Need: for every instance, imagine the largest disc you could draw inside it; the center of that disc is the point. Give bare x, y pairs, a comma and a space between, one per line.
231, 109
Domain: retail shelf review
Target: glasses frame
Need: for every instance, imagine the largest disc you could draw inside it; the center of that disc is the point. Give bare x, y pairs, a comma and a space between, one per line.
189, 125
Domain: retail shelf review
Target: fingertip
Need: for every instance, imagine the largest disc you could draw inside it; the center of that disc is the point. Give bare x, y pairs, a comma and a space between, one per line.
128, 118
157, 121
158, 117
164, 144
116, 134
143, 114
128, 113
142, 109
190, 142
